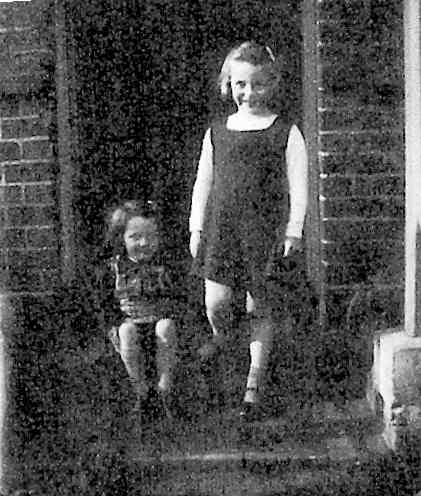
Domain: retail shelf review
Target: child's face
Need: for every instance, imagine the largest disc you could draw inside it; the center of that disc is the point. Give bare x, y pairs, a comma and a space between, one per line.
141, 238
250, 87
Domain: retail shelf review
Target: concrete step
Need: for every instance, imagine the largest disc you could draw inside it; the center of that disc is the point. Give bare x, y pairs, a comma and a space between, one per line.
308, 448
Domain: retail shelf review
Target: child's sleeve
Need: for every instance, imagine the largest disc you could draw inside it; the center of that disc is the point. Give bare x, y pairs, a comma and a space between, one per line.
297, 172
202, 185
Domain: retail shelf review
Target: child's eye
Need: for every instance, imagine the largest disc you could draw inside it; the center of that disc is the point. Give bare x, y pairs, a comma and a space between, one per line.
241, 84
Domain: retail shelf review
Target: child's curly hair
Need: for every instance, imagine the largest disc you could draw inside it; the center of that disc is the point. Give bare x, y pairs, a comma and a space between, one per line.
253, 53
118, 218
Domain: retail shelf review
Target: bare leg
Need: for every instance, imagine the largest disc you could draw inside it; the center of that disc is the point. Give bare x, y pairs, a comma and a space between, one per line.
166, 353
218, 310
260, 348
132, 357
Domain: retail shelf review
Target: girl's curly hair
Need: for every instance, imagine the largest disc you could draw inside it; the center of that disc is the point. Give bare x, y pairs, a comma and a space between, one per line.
118, 218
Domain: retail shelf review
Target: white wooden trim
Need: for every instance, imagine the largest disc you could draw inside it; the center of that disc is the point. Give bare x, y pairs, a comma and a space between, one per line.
412, 154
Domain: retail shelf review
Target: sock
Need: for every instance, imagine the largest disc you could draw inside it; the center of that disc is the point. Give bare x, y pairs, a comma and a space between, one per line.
164, 384
252, 388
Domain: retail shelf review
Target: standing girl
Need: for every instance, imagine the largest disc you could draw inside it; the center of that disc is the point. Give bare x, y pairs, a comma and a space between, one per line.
146, 300
248, 205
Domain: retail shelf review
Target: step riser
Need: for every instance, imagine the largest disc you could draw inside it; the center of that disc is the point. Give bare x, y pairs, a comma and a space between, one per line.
331, 480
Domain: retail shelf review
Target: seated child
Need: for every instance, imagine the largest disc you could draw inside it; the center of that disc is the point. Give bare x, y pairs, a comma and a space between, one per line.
147, 299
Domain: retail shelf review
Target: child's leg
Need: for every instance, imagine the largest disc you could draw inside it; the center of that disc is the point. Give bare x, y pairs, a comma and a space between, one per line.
166, 353
218, 309
260, 347
132, 357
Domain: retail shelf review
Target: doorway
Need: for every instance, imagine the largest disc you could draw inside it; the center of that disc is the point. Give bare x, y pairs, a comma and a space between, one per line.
146, 75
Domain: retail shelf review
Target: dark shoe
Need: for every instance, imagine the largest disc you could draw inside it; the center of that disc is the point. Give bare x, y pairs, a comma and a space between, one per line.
167, 405
251, 412
141, 411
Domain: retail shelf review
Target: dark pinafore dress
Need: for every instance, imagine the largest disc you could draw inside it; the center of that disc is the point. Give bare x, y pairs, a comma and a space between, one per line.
247, 210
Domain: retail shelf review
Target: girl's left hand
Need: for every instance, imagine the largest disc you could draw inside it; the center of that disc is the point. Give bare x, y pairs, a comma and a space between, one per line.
129, 308
291, 245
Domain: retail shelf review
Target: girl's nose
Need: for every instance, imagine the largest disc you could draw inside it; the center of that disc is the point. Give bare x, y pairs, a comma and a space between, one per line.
142, 242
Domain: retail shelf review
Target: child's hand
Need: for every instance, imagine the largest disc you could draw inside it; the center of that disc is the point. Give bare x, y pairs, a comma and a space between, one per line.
114, 338
194, 242
129, 307
292, 244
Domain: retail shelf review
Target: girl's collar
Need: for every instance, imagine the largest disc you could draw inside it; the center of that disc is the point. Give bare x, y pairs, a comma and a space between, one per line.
266, 123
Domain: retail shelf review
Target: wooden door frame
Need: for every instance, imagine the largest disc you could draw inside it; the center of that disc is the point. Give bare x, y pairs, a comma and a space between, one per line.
310, 109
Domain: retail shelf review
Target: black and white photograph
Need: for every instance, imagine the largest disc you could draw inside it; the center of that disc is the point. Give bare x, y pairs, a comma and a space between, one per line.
210, 247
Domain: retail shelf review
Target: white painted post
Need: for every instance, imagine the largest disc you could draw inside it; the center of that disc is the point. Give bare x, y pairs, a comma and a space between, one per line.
412, 158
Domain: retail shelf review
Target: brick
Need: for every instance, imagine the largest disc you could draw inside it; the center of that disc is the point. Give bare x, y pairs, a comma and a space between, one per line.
358, 161
20, 14
362, 207
40, 193
42, 238
7, 16
5, 40
355, 250
364, 229
342, 33
342, 8
24, 128
367, 141
17, 79
42, 260
34, 172
14, 238
24, 40
342, 274
9, 106
27, 62
11, 194
30, 216
329, 51
354, 118
29, 106
36, 149
9, 151
389, 301
24, 280
337, 77
383, 185
337, 186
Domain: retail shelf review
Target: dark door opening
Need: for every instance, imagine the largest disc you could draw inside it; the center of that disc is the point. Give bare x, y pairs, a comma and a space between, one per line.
147, 73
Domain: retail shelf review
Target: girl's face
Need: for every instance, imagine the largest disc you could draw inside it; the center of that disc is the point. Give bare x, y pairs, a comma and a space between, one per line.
250, 87
141, 238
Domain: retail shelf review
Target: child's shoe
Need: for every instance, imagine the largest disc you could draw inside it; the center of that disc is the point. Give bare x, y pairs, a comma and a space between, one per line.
167, 405
252, 408
251, 412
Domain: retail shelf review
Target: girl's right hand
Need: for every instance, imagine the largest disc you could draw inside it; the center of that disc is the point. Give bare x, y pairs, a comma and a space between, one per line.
194, 243
128, 307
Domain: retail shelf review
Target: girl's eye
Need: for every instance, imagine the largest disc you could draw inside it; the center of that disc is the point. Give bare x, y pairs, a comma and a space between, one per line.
241, 84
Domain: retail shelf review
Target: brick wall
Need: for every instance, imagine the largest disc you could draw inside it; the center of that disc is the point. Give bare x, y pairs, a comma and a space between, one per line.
28, 200
360, 98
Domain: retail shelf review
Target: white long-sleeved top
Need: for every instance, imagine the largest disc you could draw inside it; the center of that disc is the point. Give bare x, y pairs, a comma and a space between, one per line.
297, 174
